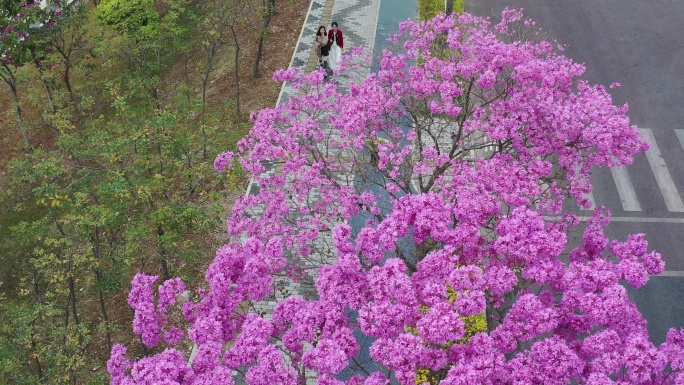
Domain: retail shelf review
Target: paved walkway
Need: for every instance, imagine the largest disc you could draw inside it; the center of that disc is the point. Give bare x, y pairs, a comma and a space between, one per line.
358, 21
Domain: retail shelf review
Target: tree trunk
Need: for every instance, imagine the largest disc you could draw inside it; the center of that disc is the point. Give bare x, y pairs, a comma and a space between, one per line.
36, 293
424, 248
103, 309
95, 239
72, 293
70, 279
67, 82
205, 78
51, 99
449, 8
162, 254
186, 62
22, 127
66, 314
34, 347
260, 44
237, 72
66, 319
53, 109
270, 11
165, 268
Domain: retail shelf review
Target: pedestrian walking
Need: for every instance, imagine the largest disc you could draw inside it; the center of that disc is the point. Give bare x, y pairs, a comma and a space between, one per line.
336, 41
320, 41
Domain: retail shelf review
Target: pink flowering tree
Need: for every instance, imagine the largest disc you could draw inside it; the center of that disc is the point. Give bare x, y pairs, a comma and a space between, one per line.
484, 139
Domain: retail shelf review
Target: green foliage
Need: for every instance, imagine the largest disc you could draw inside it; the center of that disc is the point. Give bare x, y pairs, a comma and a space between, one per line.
473, 324
13, 336
428, 9
31, 337
141, 44
23, 23
127, 184
122, 193
459, 6
128, 16
12, 248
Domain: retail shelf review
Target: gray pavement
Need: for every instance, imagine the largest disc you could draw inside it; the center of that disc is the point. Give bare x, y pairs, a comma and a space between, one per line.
356, 18
358, 21
639, 45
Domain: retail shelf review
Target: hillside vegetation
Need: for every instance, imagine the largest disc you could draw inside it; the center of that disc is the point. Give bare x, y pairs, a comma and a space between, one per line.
113, 113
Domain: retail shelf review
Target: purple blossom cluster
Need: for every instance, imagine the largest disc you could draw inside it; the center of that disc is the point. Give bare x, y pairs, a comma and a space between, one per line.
451, 235
223, 160
18, 28
150, 321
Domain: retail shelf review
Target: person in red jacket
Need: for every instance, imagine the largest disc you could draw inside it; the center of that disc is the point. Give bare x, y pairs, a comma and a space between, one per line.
336, 41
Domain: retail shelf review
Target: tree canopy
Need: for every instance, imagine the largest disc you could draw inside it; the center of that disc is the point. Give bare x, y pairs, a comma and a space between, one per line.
489, 137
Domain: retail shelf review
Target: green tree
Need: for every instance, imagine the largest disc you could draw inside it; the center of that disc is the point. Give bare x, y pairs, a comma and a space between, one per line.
269, 10
67, 38
20, 23
219, 25
125, 186
144, 41
122, 195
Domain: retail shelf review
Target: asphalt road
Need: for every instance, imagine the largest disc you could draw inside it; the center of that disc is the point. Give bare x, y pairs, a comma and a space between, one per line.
639, 44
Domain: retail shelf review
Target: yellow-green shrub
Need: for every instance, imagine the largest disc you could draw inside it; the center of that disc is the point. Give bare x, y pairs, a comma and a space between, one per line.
427, 9
473, 324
